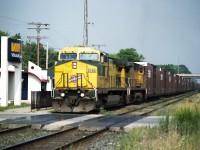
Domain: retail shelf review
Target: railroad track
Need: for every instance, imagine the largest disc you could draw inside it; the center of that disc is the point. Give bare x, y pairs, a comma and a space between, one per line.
73, 137
158, 104
4, 131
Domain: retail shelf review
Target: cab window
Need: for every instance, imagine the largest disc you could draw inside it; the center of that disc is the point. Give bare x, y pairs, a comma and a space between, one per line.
88, 56
68, 56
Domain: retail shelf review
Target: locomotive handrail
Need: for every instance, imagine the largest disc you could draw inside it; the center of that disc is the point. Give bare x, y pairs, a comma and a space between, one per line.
124, 83
89, 82
95, 89
61, 79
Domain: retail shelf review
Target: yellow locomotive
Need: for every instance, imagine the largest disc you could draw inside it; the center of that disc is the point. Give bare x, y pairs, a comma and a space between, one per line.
86, 79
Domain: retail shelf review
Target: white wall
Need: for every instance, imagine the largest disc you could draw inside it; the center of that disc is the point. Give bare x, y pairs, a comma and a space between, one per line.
15, 85
34, 83
0, 84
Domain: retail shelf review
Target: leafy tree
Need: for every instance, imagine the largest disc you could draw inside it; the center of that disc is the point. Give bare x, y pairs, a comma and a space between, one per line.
183, 69
2, 33
16, 36
29, 53
113, 55
52, 57
129, 54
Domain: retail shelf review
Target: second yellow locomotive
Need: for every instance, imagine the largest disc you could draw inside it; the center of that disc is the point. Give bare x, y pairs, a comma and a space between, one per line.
86, 79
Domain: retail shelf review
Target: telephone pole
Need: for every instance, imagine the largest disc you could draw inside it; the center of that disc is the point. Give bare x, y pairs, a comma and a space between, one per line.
38, 28
85, 32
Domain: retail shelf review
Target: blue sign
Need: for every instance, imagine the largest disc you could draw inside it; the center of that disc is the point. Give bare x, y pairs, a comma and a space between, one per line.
14, 50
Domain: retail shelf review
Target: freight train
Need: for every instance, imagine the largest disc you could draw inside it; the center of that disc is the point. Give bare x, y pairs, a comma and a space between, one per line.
86, 79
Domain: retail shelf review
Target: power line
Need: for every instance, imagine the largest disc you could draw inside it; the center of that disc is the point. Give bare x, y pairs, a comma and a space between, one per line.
38, 37
98, 45
13, 19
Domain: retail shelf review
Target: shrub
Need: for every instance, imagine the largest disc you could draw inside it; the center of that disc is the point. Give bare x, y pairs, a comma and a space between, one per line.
164, 124
187, 120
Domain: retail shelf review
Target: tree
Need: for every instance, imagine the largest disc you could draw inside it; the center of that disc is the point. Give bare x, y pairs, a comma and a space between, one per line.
29, 53
2, 33
129, 54
113, 55
16, 36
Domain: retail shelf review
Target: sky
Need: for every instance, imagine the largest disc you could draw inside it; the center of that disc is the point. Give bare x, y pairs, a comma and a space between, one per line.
163, 31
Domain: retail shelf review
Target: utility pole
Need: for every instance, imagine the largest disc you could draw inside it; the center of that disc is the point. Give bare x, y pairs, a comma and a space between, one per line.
47, 55
98, 45
38, 37
85, 31
178, 65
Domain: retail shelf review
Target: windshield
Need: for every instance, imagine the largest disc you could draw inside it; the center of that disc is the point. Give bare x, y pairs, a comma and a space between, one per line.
88, 56
68, 56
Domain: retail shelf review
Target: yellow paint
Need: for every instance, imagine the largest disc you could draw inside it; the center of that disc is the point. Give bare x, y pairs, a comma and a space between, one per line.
15, 47
67, 77
123, 84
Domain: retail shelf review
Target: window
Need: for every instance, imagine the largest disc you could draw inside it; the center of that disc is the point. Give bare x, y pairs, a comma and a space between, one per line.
68, 56
88, 56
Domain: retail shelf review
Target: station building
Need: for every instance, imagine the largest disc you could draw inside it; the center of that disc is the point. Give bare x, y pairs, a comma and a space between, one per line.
15, 84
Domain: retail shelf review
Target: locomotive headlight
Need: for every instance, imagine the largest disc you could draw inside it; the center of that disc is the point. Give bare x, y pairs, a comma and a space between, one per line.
78, 91
62, 94
82, 94
74, 65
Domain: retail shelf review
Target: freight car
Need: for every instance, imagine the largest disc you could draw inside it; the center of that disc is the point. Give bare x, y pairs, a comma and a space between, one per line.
160, 82
86, 79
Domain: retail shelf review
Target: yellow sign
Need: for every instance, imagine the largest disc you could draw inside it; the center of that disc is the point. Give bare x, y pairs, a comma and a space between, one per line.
15, 47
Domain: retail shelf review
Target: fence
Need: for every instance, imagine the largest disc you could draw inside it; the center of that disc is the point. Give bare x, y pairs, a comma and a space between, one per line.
40, 99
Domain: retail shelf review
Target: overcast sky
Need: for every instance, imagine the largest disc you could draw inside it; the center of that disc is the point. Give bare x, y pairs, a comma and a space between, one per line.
163, 31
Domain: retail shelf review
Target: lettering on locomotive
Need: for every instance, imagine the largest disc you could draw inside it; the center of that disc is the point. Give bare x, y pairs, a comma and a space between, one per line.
74, 78
91, 70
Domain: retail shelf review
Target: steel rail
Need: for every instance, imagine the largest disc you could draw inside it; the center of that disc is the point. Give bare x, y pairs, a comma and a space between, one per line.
5, 131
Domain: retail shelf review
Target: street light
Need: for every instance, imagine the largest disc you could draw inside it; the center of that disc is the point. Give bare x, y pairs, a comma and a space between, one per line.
178, 65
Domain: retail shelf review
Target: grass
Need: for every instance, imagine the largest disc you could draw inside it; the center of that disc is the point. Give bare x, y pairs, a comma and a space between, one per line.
193, 101
187, 120
182, 132
105, 112
11, 106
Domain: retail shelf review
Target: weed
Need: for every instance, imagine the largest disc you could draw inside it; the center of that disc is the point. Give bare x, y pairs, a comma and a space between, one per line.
164, 124
187, 120
11, 106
